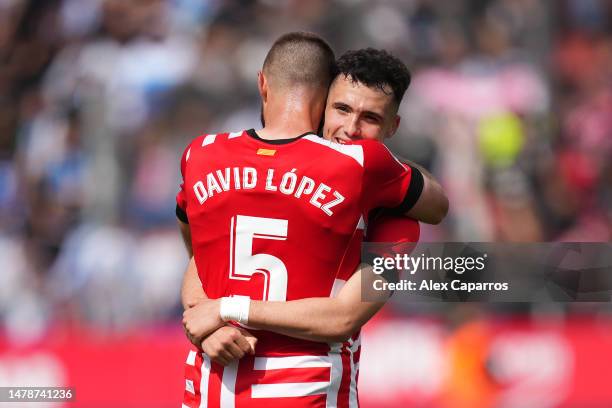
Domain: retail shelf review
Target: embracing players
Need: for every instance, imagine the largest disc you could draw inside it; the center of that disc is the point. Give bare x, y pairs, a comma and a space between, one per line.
276, 217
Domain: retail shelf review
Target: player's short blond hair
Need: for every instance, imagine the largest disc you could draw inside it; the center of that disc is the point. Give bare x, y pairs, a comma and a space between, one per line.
300, 59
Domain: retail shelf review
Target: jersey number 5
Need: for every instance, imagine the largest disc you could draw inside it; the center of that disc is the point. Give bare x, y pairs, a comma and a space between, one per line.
244, 263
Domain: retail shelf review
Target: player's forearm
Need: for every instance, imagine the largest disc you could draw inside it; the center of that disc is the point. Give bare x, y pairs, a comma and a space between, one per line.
316, 319
191, 289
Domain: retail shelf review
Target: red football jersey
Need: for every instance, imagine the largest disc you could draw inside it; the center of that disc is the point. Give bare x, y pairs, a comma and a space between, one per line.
274, 220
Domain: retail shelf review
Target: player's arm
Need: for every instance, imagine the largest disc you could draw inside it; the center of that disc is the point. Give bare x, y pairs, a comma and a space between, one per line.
186, 235
432, 205
191, 289
218, 338
317, 319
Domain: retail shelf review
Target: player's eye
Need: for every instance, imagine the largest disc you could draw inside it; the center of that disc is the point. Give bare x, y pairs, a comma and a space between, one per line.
342, 108
371, 119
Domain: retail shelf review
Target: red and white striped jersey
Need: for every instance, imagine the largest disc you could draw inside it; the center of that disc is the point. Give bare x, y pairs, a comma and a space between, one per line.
275, 220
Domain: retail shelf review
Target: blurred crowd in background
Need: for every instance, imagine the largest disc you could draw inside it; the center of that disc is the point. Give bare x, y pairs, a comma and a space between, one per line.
510, 108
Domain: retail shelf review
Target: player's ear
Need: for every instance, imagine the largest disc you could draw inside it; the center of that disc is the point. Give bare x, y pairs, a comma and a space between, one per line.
395, 126
262, 85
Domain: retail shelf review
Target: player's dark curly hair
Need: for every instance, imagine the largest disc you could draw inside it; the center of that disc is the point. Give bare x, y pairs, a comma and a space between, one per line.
375, 69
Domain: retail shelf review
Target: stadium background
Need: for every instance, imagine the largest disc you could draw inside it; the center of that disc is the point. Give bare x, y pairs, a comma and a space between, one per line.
510, 107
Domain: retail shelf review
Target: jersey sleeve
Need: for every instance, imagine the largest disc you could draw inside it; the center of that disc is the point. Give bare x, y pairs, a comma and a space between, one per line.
387, 182
386, 227
181, 197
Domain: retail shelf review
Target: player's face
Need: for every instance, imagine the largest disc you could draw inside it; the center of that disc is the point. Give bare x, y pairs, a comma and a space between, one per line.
355, 112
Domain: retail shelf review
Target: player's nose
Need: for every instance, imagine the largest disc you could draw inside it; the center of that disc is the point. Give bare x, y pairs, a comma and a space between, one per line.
352, 130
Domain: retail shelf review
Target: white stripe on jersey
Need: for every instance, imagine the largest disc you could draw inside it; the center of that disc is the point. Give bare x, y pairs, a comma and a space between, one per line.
333, 361
335, 376
209, 139
282, 390
337, 286
361, 225
277, 363
204, 381
353, 347
189, 386
392, 155
228, 385
188, 153
354, 151
191, 358
235, 134
354, 344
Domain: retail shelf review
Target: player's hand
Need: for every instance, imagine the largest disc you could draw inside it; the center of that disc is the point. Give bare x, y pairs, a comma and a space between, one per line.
202, 319
228, 344
195, 341
193, 301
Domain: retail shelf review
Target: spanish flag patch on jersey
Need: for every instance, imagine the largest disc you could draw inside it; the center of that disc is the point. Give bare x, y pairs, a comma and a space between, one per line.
266, 152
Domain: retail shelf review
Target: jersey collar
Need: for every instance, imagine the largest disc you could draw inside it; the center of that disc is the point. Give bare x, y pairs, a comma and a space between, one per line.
254, 135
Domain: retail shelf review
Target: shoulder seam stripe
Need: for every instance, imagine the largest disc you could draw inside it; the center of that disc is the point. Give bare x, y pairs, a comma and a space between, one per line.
392, 155
209, 139
361, 225
354, 151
